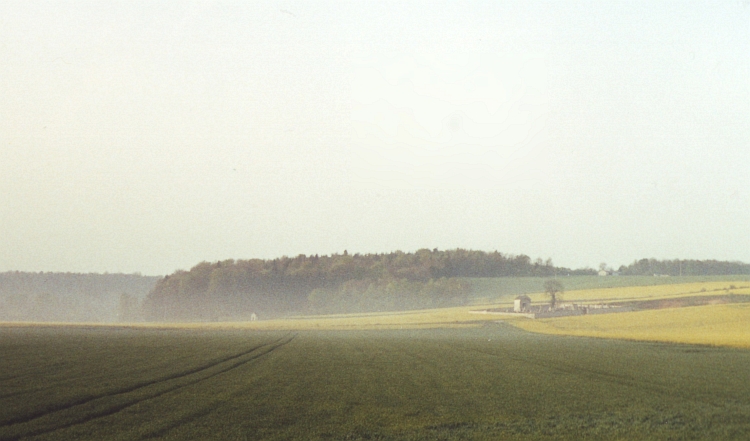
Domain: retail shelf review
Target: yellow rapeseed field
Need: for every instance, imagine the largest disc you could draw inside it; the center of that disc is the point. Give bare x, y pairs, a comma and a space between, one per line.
719, 325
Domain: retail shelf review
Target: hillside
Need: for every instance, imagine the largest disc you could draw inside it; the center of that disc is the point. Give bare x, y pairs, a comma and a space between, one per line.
345, 283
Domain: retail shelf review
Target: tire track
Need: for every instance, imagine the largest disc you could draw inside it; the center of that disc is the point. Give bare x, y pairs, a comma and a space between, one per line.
112, 409
206, 409
131, 388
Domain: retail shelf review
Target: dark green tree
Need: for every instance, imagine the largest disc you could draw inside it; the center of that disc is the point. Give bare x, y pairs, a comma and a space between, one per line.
554, 289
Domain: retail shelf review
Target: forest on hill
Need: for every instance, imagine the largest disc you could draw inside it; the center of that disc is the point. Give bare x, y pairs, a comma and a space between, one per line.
234, 289
345, 283
72, 297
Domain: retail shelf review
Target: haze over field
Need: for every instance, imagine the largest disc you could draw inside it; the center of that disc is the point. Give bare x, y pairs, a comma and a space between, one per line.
151, 138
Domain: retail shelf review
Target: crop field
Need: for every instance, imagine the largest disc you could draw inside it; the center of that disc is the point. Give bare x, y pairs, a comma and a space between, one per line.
487, 382
589, 295
658, 291
504, 289
721, 325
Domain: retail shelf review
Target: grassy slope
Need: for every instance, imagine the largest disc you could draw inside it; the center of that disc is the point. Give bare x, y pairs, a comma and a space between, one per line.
492, 382
651, 292
504, 289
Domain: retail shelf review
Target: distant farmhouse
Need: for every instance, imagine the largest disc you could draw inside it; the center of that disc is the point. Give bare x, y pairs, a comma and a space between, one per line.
521, 304
522, 307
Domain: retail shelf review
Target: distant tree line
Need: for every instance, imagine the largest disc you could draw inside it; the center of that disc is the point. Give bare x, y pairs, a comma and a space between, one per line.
233, 289
677, 267
72, 297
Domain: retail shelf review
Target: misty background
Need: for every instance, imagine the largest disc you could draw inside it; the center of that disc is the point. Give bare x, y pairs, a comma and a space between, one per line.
149, 137
241, 290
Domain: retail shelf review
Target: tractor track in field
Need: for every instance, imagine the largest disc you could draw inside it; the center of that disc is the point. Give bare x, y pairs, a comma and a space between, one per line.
124, 390
112, 409
207, 409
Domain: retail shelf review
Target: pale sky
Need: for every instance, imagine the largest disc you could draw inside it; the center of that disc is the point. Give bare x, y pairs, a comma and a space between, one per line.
150, 136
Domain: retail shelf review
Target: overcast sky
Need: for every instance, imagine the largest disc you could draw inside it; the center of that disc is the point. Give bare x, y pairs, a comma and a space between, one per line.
147, 137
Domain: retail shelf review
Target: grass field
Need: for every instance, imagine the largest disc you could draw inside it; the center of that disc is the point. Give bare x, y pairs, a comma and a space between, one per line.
651, 292
504, 289
443, 374
457, 317
486, 383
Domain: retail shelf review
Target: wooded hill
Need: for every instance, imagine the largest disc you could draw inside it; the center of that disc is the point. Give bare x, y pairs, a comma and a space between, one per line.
234, 289
338, 283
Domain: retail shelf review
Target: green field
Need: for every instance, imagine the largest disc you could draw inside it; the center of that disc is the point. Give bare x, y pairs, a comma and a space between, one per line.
489, 382
503, 289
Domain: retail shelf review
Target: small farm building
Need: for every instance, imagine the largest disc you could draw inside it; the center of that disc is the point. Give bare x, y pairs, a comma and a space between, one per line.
522, 303
603, 273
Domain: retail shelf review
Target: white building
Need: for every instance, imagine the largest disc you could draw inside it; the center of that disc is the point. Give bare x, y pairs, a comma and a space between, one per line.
522, 303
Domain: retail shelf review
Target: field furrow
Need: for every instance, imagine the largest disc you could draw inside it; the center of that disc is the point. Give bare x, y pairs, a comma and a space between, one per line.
111, 403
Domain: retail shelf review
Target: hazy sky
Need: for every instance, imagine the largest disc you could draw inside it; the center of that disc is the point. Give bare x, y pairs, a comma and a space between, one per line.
152, 136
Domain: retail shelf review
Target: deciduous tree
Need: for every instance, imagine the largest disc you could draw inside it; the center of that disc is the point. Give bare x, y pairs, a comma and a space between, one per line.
554, 289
